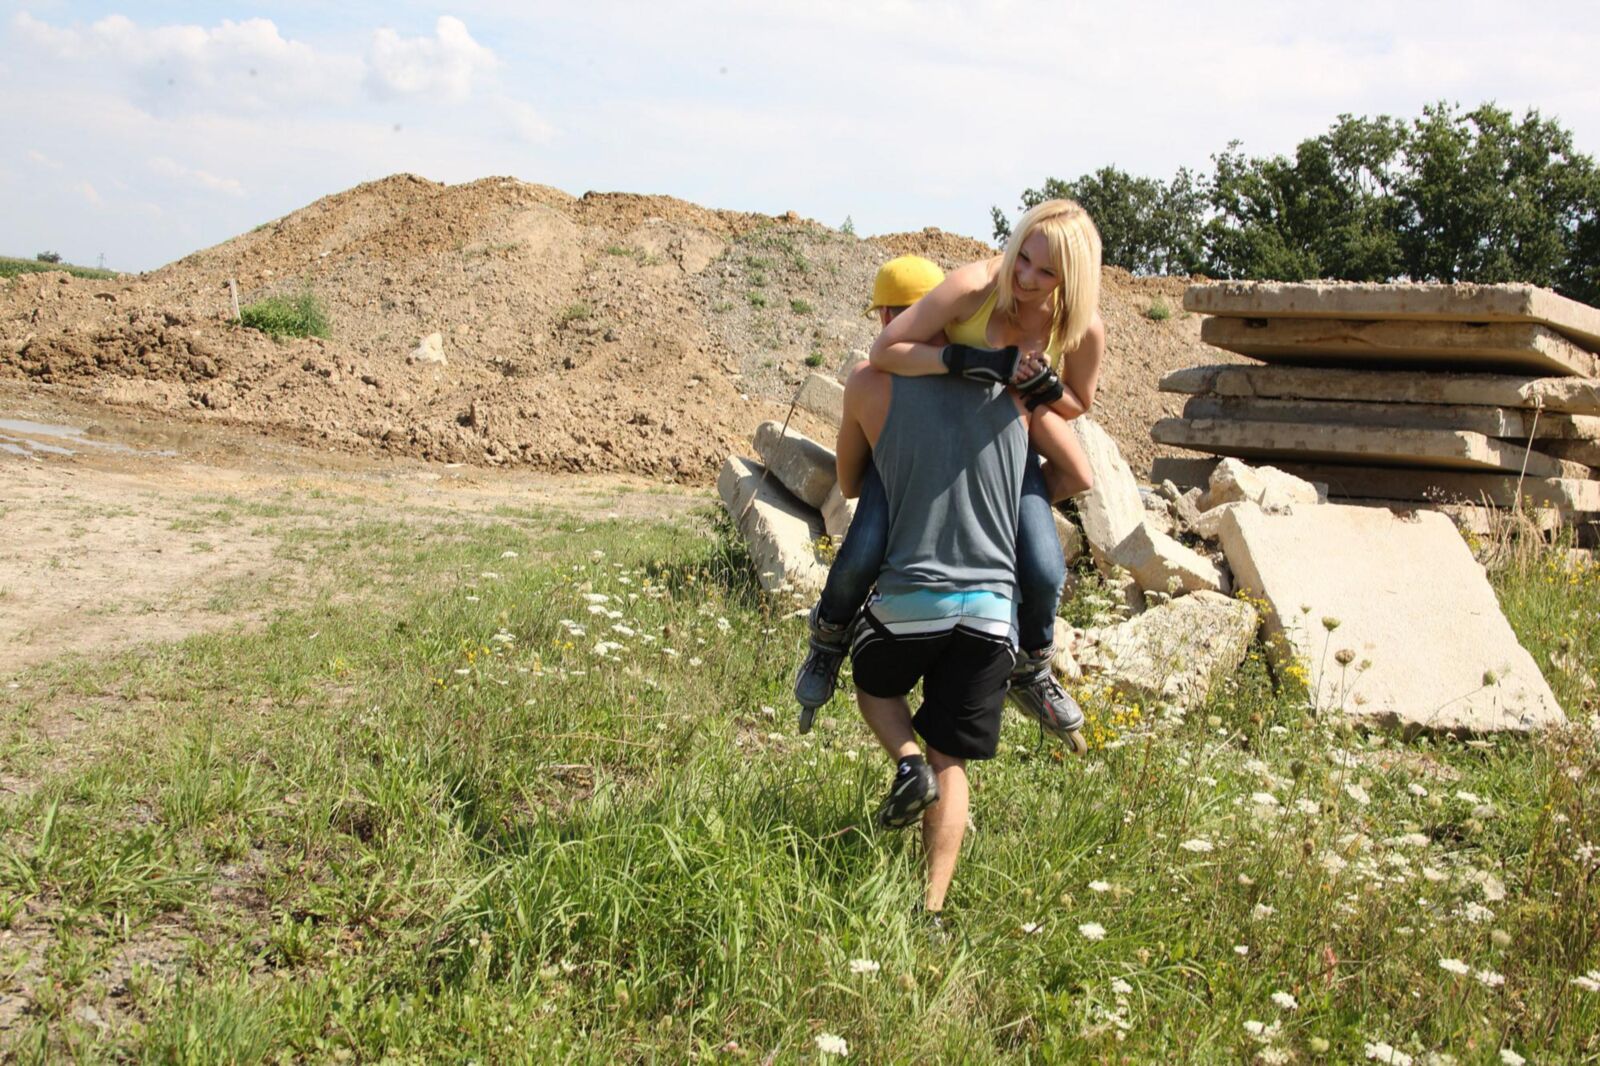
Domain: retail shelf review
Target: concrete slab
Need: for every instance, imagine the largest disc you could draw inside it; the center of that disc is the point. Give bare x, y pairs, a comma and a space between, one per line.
1509, 422
837, 514
1569, 495
781, 532
1402, 301
805, 467
1112, 508
1586, 452
1161, 564
823, 397
1512, 347
1324, 442
1173, 652
1572, 395
1428, 647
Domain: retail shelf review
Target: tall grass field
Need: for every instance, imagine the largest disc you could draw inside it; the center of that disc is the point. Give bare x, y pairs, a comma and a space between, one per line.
529, 789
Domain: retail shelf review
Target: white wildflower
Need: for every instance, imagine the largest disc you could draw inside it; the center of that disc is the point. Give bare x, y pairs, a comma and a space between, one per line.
624, 630
1490, 979
1435, 875
829, 1044
1241, 950
1417, 790
1264, 799
1476, 913
1263, 911
508, 555
596, 597
1589, 982
596, 609
1032, 928
695, 660
1511, 1058
1198, 845
1121, 987
1092, 931
1455, 966
864, 966
1306, 806
1099, 886
1285, 1001
1357, 793
1469, 797
1333, 863
1380, 1052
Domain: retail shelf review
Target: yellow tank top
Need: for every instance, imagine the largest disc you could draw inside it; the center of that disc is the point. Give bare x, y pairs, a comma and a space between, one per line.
975, 330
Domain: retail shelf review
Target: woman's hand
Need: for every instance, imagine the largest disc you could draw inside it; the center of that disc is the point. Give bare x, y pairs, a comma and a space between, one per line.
1031, 365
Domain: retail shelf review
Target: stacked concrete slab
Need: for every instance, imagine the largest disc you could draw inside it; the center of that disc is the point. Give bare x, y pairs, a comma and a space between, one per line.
1399, 392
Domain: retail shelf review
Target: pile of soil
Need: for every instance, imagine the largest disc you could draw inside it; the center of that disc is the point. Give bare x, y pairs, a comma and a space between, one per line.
603, 333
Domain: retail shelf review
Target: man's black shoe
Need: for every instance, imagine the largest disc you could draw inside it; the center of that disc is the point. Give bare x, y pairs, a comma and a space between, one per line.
914, 790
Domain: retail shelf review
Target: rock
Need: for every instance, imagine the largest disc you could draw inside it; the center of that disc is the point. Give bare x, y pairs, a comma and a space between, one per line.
837, 514
1209, 525
1186, 507
429, 350
823, 397
805, 467
1266, 486
1061, 661
1161, 564
1172, 652
1071, 538
1389, 617
781, 532
1112, 508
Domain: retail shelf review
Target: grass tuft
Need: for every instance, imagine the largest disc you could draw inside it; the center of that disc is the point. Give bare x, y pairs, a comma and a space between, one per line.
287, 316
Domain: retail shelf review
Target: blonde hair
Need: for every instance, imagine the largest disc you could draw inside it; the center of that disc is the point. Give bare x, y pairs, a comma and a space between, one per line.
1074, 256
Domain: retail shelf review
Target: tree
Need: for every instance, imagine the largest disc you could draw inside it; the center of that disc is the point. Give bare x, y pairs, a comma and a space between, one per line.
1145, 227
48, 257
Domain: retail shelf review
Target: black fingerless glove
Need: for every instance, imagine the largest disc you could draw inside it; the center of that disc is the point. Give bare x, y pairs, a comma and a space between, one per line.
994, 365
1043, 388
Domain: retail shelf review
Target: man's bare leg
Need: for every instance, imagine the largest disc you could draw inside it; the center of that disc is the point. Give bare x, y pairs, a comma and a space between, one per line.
889, 718
944, 824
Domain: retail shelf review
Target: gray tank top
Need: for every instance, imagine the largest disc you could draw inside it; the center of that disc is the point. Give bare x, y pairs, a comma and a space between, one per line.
951, 457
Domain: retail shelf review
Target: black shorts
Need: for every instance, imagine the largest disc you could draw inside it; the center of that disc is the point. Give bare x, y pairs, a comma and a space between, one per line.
963, 677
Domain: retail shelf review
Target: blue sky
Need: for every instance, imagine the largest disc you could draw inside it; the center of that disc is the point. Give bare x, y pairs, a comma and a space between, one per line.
146, 130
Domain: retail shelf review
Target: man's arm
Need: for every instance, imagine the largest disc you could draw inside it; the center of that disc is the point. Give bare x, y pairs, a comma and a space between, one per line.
852, 451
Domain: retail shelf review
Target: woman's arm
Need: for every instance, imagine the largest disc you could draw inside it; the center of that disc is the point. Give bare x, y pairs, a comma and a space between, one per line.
905, 346
1080, 372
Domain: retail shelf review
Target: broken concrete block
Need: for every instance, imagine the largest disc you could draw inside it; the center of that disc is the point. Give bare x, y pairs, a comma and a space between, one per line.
1061, 661
1491, 346
1513, 422
1209, 525
837, 514
1186, 507
1266, 486
1111, 508
1322, 442
1071, 538
1161, 564
805, 467
429, 350
781, 532
1390, 619
1402, 300
1573, 395
1174, 651
823, 397
1586, 452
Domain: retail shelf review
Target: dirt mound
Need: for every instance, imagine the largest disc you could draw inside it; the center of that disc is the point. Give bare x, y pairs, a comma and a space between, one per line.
602, 333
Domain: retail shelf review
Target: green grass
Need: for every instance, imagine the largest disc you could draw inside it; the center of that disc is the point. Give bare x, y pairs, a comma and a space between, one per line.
428, 816
10, 267
287, 316
575, 312
800, 307
1158, 311
815, 359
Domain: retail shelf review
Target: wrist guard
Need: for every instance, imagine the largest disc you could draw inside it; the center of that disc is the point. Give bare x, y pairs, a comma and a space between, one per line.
993, 365
1043, 388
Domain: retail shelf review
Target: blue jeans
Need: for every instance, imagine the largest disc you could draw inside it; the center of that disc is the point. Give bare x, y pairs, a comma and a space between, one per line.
1041, 570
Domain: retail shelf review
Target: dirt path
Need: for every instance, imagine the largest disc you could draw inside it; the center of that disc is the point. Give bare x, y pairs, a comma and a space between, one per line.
119, 533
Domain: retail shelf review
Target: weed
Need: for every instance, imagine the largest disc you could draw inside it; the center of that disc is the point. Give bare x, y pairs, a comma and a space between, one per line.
618, 249
287, 316
800, 307
757, 299
574, 312
848, 226
1158, 311
815, 359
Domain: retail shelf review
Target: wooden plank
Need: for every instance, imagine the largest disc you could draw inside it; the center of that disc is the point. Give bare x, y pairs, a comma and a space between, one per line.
1507, 347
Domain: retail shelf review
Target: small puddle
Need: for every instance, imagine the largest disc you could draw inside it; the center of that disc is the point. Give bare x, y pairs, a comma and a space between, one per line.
20, 436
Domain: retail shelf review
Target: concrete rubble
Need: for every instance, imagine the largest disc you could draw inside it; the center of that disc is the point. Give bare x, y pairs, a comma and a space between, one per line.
1388, 617
1173, 652
805, 467
780, 531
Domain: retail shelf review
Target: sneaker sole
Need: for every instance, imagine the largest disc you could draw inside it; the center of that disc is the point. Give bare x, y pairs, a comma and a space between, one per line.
928, 800
808, 715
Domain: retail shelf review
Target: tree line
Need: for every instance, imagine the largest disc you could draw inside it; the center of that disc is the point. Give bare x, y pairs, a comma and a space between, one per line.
1450, 196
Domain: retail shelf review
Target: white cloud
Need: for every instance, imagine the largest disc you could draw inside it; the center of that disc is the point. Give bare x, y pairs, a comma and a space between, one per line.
444, 65
89, 193
200, 179
39, 158
525, 121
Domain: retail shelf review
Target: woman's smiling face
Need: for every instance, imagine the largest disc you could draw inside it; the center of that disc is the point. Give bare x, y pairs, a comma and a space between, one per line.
1034, 275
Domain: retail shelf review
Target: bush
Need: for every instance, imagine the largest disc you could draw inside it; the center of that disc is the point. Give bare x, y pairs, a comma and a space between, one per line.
1158, 311
48, 257
814, 359
282, 316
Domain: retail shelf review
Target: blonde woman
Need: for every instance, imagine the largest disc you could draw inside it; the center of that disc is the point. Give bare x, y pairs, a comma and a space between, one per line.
1028, 317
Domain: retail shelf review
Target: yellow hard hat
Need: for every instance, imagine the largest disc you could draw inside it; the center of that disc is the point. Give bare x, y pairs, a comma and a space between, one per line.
903, 281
